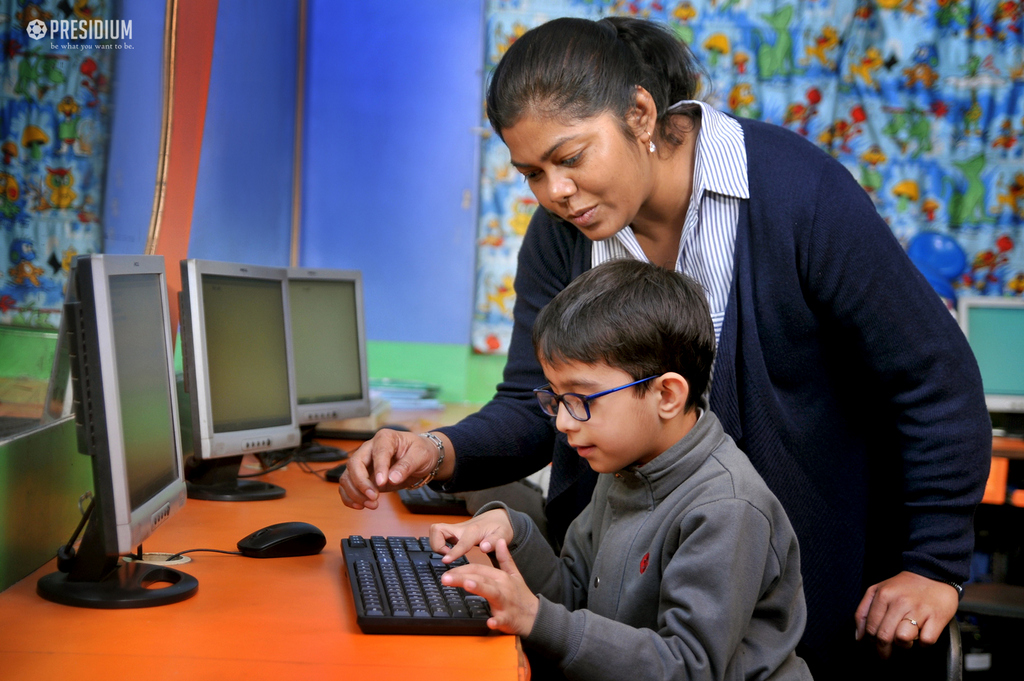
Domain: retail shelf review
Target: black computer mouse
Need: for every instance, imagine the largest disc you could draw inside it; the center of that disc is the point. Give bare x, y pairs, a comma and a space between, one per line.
283, 539
334, 474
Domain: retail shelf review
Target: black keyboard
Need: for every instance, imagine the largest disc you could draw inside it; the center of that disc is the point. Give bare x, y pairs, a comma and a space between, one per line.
396, 586
427, 500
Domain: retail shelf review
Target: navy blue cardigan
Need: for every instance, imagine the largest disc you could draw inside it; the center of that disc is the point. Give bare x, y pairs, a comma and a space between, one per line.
839, 372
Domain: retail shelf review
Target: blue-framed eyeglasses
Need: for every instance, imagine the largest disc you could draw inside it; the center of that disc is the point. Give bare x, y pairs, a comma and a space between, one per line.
577, 405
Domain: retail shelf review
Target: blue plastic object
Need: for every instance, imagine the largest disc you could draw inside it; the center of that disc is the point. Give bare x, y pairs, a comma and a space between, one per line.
940, 259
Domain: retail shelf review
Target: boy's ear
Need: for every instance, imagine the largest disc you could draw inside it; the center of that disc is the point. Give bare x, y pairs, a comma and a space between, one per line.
673, 390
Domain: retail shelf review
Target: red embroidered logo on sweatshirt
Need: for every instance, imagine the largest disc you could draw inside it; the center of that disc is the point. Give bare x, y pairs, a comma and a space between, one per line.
644, 561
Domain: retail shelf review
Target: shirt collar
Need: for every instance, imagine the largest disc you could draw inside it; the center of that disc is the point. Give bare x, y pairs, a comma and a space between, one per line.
721, 157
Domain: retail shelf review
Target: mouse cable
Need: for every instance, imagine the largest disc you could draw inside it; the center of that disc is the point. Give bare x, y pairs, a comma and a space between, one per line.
318, 472
179, 554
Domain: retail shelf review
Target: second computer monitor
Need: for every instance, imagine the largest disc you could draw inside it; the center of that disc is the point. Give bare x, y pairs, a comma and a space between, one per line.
239, 373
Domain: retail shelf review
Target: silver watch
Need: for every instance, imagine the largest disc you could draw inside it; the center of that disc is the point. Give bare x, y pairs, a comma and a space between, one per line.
440, 460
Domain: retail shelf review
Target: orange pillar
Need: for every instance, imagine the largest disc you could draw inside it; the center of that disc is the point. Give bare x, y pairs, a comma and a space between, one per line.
194, 24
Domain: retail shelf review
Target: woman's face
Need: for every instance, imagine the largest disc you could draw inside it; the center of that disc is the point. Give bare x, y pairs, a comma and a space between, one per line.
586, 172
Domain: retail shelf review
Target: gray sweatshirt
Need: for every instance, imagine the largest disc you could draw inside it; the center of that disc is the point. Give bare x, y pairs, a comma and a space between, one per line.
683, 568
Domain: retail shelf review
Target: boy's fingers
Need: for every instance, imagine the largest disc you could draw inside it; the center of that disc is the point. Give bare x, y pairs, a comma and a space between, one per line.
439, 535
461, 548
505, 562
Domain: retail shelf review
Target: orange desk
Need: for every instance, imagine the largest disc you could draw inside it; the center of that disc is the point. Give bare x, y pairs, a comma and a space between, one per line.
1009, 447
281, 618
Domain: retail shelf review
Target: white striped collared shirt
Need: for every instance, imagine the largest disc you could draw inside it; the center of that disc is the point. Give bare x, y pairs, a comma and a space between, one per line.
708, 241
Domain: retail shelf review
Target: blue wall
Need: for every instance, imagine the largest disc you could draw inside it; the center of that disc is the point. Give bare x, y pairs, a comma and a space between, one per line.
394, 95
135, 130
243, 201
394, 92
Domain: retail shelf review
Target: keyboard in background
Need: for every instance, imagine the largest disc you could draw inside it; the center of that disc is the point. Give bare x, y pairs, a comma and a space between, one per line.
396, 587
427, 500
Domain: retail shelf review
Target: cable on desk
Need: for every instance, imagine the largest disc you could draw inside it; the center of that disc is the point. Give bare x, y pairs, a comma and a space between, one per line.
179, 554
318, 472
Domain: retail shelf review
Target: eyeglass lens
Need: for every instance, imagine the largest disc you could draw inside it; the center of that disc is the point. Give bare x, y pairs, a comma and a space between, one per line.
549, 403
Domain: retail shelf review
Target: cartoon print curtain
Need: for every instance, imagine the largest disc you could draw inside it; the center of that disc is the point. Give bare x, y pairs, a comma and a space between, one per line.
53, 119
920, 99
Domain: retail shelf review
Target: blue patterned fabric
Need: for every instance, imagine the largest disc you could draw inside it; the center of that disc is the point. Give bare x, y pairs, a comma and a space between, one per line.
53, 120
921, 100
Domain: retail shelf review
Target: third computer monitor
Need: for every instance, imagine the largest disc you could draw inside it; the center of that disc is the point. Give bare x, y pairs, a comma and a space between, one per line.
329, 342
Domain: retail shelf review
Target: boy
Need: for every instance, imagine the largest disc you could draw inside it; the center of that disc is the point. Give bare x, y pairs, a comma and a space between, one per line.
683, 565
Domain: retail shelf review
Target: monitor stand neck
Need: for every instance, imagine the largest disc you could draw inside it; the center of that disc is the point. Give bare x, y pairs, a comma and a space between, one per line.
217, 480
314, 452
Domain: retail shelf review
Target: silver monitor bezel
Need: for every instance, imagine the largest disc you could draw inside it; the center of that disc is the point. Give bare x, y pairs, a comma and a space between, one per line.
328, 411
206, 443
1012, 404
132, 528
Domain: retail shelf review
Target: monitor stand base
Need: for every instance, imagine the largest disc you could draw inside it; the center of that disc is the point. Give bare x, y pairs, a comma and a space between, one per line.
131, 585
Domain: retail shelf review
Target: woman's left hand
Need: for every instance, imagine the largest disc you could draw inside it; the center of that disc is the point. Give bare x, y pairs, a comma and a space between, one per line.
905, 608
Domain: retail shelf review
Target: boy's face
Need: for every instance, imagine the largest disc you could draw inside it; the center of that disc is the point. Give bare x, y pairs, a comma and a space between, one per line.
623, 429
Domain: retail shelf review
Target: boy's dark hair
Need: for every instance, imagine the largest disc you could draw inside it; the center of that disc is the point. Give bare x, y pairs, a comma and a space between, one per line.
576, 68
633, 316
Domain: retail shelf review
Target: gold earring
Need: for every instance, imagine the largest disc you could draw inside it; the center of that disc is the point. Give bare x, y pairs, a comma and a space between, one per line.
650, 144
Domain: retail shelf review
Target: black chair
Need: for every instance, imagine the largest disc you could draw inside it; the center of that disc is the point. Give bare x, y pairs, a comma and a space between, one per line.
996, 610
955, 653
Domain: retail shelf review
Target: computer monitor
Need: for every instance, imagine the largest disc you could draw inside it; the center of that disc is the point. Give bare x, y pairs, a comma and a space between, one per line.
329, 341
58, 401
995, 330
236, 351
122, 370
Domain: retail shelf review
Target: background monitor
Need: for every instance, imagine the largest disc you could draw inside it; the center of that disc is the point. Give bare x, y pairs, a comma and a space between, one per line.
58, 401
116, 318
236, 350
329, 343
995, 330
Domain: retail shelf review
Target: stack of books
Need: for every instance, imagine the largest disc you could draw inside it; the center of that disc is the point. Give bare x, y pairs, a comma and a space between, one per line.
406, 394
356, 428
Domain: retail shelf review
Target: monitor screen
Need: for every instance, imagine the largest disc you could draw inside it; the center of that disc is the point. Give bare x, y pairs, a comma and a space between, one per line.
329, 345
145, 393
246, 353
995, 331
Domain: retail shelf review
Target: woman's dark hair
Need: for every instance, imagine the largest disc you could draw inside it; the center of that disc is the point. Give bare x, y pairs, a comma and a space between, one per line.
634, 316
576, 68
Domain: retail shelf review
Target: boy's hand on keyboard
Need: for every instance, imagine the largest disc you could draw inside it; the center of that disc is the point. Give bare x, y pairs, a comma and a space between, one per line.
484, 530
391, 460
513, 605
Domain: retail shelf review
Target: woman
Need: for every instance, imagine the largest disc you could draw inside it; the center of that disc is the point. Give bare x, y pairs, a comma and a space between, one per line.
838, 371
